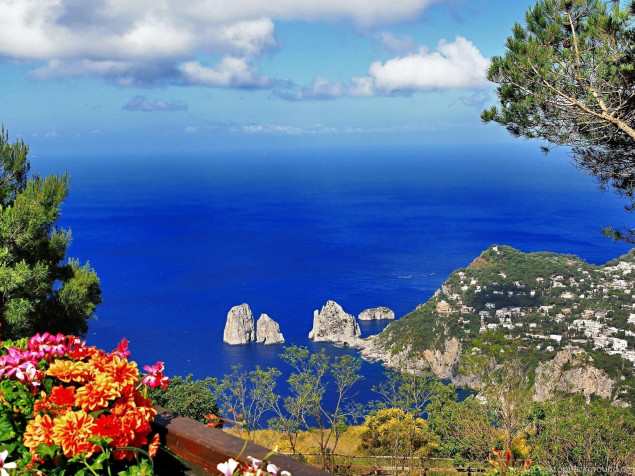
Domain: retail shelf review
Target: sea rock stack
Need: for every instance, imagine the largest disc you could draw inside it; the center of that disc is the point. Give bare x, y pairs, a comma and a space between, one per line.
332, 324
239, 328
376, 314
268, 331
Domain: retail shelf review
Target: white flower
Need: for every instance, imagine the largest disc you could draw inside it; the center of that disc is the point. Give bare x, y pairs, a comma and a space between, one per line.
255, 463
227, 469
272, 469
3, 465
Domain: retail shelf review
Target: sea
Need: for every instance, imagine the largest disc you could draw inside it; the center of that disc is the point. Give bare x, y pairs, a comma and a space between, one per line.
177, 239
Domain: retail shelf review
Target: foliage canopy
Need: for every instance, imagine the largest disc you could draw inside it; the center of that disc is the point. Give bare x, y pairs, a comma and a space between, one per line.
39, 290
568, 77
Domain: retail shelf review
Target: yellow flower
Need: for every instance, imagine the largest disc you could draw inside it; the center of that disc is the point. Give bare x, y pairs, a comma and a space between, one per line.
72, 430
38, 431
68, 371
97, 394
124, 374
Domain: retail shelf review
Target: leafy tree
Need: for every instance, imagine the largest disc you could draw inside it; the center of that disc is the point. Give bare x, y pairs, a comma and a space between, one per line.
506, 388
393, 432
305, 408
249, 394
187, 397
39, 291
408, 392
567, 77
594, 438
464, 429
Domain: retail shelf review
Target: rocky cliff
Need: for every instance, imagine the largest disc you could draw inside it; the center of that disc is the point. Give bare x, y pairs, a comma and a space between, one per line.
239, 327
332, 324
376, 313
546, 303
570, 371
443, 362
268, 331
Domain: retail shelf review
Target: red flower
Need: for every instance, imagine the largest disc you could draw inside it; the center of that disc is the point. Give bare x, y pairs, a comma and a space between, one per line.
122, 349
155, 376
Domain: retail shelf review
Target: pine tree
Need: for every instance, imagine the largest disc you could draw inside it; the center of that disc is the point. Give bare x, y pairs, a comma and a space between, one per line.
568, 77
39, 290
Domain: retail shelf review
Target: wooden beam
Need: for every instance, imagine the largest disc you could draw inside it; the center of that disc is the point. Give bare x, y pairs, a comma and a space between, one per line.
206, 447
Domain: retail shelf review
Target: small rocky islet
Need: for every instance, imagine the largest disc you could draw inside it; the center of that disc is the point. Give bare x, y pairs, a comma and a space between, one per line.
241, 328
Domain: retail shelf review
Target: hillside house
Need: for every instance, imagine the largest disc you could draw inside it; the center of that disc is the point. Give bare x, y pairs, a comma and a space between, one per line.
443, 309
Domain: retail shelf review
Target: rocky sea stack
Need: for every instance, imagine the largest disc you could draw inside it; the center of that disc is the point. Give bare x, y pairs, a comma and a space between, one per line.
241, 328
332, 324
268, 331
376, 314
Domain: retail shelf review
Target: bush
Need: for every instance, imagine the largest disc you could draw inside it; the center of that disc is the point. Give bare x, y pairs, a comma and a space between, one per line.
187, 397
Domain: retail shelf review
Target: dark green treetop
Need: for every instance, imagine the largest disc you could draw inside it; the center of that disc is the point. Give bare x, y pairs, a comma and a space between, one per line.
39, 290
568, 77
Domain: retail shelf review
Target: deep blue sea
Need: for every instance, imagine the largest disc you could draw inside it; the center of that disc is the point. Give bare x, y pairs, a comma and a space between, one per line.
179, 239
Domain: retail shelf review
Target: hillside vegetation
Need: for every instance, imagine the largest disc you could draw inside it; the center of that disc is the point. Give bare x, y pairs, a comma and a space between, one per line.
544, 301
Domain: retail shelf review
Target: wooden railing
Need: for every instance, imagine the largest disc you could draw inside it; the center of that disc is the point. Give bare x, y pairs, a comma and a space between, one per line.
205, 447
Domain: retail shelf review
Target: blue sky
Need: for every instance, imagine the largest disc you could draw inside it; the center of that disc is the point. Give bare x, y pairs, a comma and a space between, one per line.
168, 75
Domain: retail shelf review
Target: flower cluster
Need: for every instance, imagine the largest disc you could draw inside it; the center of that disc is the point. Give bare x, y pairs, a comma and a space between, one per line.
70, 404
254, 468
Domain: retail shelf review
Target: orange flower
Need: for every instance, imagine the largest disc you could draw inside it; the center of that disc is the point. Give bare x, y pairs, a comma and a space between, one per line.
38, 431
96, 394
60, 400
136, 420
72, 430
68, 371
123, 373
154, 445
112, 426
99, 360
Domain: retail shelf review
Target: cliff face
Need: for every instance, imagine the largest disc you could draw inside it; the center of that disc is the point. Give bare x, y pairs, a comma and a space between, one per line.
443, 363
570, 372
332, 324
268, 331
376, 313
239, 328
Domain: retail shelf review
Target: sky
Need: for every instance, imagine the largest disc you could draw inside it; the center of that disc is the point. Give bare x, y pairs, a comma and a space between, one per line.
83, 76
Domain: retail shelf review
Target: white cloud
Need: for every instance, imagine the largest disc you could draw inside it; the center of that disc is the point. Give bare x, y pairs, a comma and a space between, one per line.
362, 12
456, 65
321, 88
231, 72
191, 130
288, 130
145, 42
140, 103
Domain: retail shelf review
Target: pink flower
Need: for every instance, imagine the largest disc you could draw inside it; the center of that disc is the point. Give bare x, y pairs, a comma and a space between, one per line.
47, 345
57, 345
228, 468
21, 365
272, 469
122, 349
155, 376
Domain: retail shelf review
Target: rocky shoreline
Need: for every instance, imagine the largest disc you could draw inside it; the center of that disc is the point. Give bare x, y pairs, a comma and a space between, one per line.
569, 371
